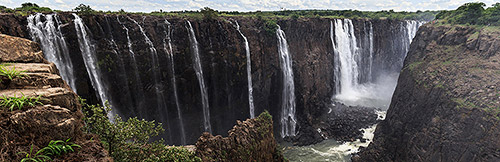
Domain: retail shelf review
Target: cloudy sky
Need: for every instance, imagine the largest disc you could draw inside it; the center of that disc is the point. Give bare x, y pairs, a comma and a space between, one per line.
247, 5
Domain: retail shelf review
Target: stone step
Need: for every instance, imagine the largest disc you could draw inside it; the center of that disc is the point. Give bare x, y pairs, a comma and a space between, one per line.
55, 96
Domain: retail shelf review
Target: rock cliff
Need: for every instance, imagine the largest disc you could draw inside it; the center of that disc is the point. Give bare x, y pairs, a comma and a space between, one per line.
446, 104
58, 117
250, 140
223, 60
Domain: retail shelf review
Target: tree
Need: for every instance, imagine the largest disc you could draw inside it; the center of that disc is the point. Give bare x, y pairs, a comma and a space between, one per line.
209, 13
84, 9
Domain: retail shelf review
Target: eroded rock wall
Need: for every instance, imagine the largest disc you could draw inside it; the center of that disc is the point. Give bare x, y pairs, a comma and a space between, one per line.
446, 104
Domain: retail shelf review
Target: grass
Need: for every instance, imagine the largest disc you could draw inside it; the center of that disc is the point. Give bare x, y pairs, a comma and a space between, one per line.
59, 147
55, 148
11, 73
36, 157
19, 102
414, 65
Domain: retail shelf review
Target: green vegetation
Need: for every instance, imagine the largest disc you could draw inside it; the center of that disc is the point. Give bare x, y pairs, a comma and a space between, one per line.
414, 65
13, 102
59, 147
130, 140
55, 148
472, 13
208, 13
84, 9
36, 157
10, 73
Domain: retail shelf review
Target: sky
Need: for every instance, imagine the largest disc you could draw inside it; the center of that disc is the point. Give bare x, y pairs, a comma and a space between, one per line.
247, 5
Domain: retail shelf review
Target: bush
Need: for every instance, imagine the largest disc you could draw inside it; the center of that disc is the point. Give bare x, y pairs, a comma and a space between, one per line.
209, 13
32, 7
472, 14
130, 140
84, 9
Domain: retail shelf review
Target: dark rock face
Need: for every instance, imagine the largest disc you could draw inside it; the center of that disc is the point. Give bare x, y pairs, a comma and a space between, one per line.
223, 58
339, 122
250, 140
445, 107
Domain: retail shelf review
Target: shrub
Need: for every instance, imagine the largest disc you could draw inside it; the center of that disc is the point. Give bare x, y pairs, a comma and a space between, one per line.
84, 9
129, 140
209, 13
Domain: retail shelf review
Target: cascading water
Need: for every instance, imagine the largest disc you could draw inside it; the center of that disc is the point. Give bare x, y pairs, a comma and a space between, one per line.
160, 97
52, 42
249, 73
354, 80
90, 60
139, 92
199, 74
288, 120
170, 52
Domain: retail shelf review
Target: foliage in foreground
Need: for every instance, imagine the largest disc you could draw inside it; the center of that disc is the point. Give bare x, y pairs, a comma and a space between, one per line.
19, 102
472, 13
130, 140
55, 148
10, 73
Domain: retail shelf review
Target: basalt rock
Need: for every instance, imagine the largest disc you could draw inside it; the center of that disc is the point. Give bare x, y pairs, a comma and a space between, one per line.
223, 59
58, 117
250, 140
446, 104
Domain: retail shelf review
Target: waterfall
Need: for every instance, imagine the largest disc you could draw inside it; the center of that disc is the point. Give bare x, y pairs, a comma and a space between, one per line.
370, 50
288, 120
53, 44
348, 57
353, 66
90, 60
139, 92
170, 52
160, 97
249, 72
199, 74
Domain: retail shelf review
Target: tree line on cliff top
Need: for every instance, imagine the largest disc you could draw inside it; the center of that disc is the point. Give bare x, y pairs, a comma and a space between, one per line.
206, 12
473, 13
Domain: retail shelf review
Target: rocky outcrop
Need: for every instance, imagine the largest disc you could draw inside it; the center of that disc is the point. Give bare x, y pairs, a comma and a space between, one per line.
446, 104
250, 140
57, 117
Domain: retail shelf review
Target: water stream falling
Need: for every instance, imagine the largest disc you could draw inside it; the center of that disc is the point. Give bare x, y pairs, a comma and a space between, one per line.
249, 72
158, 87
168, 41
199, 74
48, 34
288, 120
90, 60
138, 90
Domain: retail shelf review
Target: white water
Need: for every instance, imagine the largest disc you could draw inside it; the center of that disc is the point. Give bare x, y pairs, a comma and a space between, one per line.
199, 74
249, 73
350, 89
288, 120
48, 34
139, 92
174, 81
90, 60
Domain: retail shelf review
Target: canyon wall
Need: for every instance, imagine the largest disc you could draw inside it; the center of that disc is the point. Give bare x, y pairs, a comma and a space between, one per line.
445, 107
137, 74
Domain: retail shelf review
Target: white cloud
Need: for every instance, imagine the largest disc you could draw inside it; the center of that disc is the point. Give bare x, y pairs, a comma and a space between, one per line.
59, 1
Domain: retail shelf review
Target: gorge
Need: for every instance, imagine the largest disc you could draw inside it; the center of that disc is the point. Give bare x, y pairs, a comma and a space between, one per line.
196, 75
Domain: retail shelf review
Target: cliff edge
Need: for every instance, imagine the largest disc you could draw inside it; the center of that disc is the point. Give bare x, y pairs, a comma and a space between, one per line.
250, 140
446, 105
57, 116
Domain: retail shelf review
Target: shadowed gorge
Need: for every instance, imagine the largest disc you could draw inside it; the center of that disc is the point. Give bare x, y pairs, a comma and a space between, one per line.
132, 60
